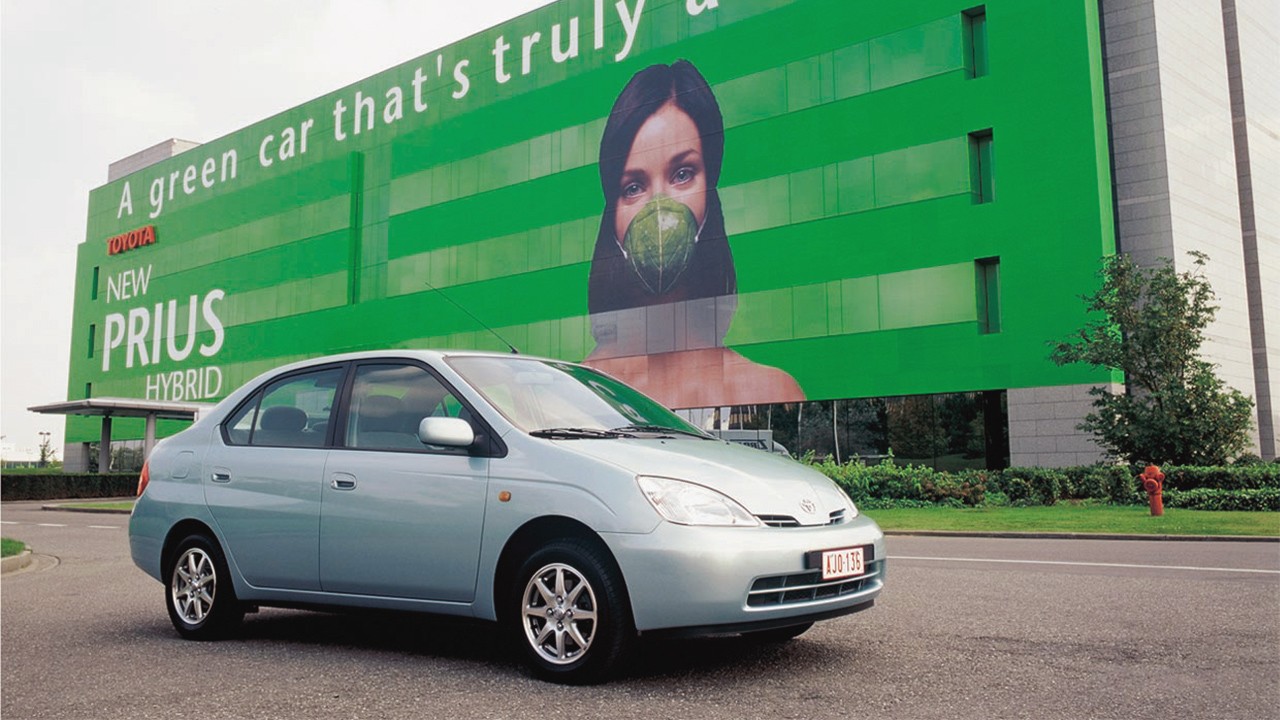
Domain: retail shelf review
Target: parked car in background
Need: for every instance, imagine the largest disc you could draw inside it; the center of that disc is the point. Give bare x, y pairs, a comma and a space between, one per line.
539, 494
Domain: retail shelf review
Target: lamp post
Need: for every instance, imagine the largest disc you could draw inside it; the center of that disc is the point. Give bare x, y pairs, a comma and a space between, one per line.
44, 447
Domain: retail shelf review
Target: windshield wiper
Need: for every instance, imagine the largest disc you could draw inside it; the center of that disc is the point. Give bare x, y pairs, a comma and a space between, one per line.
659, 429
576, 432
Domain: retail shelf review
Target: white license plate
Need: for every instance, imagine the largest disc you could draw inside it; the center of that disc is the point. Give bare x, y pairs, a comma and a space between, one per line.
842, 563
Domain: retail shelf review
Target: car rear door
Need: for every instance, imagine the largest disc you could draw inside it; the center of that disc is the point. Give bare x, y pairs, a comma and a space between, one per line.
398, 518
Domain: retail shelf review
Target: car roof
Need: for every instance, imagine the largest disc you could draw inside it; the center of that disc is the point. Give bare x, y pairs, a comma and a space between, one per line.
409, 353
427, 355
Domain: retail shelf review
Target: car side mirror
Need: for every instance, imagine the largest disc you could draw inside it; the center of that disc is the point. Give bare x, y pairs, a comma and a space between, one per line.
446, 431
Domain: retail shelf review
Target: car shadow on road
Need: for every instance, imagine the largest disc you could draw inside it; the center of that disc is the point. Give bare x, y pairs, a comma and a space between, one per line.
409, 633
663, 659
733, 656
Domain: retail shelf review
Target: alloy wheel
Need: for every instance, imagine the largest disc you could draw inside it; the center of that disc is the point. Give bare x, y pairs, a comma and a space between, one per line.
194, 586
559, 614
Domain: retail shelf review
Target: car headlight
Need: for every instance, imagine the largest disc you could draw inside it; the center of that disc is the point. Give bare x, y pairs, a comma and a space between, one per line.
686, 503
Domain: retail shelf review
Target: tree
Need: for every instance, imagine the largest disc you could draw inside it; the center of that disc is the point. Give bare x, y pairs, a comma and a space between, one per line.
48, 454
1151, 326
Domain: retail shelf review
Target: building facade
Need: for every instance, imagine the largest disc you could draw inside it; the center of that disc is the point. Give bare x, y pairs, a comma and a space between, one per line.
856, 225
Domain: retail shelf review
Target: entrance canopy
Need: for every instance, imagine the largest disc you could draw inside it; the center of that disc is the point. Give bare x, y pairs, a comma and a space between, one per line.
108, 407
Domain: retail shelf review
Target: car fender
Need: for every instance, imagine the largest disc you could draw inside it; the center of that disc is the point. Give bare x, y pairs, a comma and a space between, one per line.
596, 495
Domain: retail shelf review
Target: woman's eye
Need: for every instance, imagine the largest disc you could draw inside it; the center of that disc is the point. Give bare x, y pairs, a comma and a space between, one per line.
631, 190
682, 176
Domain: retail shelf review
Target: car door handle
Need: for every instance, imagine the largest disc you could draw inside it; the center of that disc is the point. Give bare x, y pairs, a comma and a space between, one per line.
343, 482
221, 477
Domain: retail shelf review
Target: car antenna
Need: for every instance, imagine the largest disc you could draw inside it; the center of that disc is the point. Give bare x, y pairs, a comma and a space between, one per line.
471, 315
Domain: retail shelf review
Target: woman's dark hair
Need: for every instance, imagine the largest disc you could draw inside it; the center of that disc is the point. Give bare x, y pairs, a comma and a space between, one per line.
613, 285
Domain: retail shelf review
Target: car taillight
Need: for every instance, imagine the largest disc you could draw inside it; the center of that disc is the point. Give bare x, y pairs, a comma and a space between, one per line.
143, 479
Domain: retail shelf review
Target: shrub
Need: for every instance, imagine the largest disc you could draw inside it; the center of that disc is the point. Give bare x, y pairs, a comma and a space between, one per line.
1083, 483
1230, 477
1111, 483
897, 482
1255, 499
888, 485
1032, 486
892, 504
59, 487
1122, 486
959, 490
995, 498
914, 485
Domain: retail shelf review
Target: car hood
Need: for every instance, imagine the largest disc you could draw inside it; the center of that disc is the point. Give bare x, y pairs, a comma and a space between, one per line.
762, 482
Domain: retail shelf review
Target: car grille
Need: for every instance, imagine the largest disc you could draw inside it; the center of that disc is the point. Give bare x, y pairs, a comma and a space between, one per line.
778, 520
808, 586
835, 517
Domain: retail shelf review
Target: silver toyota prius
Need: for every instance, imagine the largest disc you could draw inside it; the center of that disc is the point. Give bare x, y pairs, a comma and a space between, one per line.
543, 495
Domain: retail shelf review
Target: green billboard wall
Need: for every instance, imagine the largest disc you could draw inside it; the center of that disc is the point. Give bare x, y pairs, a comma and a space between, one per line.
805, 199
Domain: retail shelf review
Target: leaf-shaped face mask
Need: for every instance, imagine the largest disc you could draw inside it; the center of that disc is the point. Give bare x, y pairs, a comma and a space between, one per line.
659, 242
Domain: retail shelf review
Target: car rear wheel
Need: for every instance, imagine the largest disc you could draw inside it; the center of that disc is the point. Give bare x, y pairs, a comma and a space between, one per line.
778, 635
573, 621
202, 603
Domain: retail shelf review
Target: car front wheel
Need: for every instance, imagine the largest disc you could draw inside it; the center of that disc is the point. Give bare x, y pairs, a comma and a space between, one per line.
202, 604
574, 621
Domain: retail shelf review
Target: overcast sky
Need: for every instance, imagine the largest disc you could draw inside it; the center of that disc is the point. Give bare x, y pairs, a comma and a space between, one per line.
84, 83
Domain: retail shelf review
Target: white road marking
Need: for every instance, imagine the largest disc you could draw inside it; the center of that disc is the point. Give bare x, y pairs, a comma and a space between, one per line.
1089, 564
105, 527
49, 525
9, 522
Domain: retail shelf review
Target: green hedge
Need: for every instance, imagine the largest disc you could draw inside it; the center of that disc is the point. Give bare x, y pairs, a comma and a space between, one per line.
1218, 499
888, 485
60, 487
1234, 477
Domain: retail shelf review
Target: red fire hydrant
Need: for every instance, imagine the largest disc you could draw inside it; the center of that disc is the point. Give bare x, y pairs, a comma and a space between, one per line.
1153, 482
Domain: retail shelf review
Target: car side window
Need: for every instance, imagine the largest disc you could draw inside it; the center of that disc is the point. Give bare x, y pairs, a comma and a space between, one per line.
291, 412
240, 425
389, 401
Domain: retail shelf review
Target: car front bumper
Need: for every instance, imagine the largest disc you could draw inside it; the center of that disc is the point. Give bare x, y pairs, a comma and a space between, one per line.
708, 580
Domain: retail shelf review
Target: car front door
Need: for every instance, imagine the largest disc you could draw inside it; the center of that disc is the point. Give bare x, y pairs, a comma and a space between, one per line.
263, 480
399, 518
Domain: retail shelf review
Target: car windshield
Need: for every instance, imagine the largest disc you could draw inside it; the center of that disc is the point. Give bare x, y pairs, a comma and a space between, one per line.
540, 396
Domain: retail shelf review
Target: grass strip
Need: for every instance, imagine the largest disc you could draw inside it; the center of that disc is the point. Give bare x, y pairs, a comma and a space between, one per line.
9, 546
1080, 518
125, 505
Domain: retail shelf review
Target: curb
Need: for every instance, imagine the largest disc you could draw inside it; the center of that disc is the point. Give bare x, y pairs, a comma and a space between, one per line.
1083, 536
16, 562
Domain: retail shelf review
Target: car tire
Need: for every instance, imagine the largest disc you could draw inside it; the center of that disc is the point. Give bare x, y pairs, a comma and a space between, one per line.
198, 592
778, 635
570, 614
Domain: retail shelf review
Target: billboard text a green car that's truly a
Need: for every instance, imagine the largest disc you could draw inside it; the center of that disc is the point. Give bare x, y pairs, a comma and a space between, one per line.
730, 202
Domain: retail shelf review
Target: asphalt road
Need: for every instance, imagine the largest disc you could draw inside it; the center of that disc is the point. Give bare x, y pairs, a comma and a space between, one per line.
966, 628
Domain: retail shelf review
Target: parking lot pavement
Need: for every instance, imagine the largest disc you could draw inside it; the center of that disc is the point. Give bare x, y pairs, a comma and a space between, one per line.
966, 628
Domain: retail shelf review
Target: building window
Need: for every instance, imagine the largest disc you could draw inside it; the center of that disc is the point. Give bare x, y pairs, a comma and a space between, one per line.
982, 182
988, 271
975, 37
88, 390
93, 338
951, 431
93, 291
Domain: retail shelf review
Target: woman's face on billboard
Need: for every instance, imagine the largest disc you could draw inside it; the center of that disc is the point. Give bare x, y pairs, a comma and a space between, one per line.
665, 159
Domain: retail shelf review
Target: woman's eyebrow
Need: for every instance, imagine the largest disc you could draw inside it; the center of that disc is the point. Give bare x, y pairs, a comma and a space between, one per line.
686, 156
